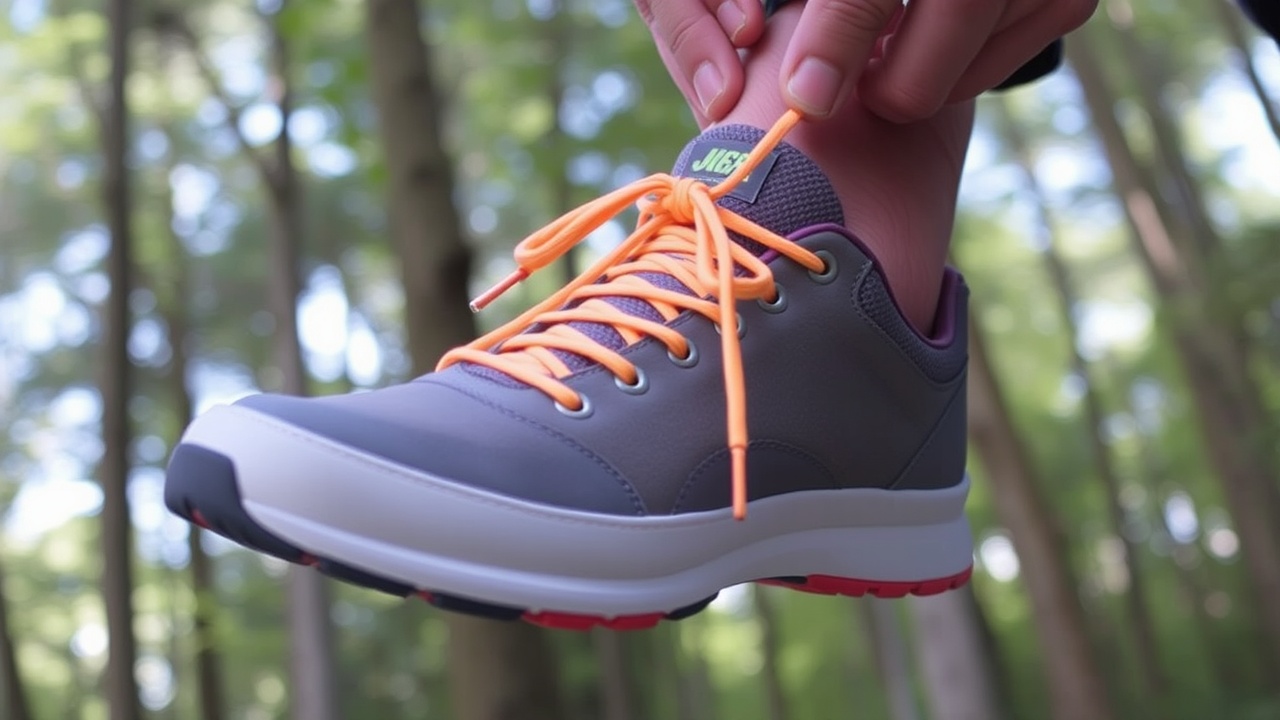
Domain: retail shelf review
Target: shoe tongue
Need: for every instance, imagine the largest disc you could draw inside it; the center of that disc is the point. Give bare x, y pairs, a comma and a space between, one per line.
785, 193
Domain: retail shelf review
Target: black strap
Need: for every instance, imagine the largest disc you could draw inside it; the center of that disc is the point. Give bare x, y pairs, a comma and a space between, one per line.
1046, 62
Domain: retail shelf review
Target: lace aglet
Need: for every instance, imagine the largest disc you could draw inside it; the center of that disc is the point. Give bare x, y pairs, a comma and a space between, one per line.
738, 459
496, 291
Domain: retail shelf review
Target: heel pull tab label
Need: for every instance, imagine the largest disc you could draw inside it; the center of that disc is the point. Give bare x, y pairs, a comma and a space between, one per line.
711, 161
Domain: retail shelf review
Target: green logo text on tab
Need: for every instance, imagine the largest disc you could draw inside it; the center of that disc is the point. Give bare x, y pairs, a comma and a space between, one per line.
711, 161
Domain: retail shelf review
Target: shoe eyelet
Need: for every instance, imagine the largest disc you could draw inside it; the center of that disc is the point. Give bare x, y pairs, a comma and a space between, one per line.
742, 326
639, 387
583, 412
778, 304
829, 268
689, 360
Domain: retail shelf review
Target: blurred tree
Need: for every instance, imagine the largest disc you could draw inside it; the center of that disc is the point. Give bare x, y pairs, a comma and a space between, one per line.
16, 705
892, 657
617, 689
538, 106
956, 666
770, 648
1240, 34
173, 291
116, 382
499, 671
426, 232
1137, 620
311, 661
1230, 415
313, 683
1076, 687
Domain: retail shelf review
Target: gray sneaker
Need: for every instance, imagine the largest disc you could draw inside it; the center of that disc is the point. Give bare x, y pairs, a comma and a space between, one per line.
576, 469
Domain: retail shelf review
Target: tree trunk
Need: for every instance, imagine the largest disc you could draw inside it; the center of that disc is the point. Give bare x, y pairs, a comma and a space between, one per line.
1238, 35
208, 660
559, 39
891, 656
698, 690
774, 690
174, 310
1228, 406
1076, 686
498, 671
425, 228
1137, 615
617, 691
1137, 609
1186, 211
1199, 238
959, 678
14, 691
670, 697
116, 381
1173, 249
312, 673
1228, 665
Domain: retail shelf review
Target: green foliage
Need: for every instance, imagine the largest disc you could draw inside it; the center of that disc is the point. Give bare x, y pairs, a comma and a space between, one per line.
549, 104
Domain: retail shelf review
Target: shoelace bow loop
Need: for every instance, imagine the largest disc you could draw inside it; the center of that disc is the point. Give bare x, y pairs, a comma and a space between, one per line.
681, 232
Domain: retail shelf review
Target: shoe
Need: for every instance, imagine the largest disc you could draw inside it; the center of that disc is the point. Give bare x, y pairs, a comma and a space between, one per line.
588, 463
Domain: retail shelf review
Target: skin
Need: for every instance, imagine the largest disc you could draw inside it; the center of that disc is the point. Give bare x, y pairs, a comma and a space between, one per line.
897, 183
935, 52
893, 86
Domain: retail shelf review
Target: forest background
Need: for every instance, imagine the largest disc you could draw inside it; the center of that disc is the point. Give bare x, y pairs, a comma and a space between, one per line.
201, 200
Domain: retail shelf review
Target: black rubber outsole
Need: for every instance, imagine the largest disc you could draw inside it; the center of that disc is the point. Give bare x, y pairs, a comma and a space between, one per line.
201, 487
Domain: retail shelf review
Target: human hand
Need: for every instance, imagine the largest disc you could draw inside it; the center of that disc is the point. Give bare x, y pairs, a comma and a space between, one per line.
917, 58
907, 62
699, 41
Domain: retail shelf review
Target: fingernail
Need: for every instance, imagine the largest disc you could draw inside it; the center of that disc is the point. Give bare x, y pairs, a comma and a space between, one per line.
814, 86
731, 18
707, 85
884, 47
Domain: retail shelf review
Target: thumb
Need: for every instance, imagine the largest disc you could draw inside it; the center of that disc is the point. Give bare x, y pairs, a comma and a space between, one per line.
696, 39
831, 45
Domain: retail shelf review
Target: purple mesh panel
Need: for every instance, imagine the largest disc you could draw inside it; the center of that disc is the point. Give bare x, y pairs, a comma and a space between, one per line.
795, 195
938, 361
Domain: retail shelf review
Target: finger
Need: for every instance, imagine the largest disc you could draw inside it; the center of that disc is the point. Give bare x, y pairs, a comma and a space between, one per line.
1014, 47
828, 51
698, 51
748, 33
927, 56
685, 86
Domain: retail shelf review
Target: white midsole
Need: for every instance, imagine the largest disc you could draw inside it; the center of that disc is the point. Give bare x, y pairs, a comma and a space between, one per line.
337, 502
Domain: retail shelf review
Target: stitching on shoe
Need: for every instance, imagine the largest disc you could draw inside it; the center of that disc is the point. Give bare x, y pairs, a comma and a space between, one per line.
696, 473
636, 501
487, 497
442, 484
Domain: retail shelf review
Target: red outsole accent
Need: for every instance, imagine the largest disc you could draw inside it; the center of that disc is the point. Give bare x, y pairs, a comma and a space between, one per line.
198, 518
830, 585
818, 584
571, 621
309, 560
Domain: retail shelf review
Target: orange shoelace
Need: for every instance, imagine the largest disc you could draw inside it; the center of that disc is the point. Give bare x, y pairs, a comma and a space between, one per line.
681, 232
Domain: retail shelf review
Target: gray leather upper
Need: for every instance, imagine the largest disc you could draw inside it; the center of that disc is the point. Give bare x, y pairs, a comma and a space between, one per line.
837, 396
